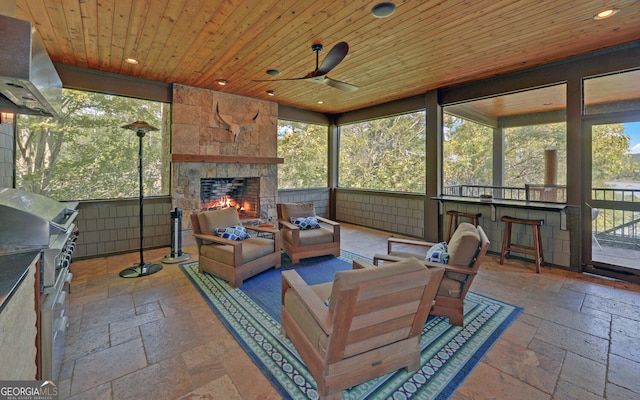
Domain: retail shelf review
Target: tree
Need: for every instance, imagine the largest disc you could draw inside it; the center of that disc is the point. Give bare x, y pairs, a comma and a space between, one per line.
467, 152
384, 154
524, 153
304, 148
85, 154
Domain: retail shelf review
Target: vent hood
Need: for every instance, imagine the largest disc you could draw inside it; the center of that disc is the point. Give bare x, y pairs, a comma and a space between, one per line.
29, 83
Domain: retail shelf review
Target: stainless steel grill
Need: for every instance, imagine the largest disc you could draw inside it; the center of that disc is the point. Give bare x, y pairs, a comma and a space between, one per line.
35, 222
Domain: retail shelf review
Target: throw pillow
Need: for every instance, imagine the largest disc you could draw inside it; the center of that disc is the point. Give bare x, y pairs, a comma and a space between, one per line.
438, 253
305, 223
237, 232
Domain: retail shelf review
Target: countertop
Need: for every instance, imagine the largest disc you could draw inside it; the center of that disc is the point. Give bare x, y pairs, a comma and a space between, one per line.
13, 269
532, 205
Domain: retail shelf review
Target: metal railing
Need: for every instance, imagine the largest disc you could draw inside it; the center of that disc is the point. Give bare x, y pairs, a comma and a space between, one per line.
619, 228
545, 193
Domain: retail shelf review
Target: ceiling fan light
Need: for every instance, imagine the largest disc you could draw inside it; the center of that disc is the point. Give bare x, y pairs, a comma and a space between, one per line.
383, 10
604, 14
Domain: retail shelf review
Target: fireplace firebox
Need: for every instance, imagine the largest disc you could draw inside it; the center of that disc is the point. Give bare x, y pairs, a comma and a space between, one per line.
240, 193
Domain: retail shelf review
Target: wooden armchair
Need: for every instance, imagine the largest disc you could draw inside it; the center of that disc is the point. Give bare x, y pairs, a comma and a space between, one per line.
300, 243
371, 326
467, 249
234, 260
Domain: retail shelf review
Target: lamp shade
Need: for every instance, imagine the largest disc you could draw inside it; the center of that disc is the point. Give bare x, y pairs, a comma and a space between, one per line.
140, 126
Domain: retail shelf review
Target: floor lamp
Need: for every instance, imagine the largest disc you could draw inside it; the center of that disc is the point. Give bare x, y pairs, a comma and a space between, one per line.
142, 268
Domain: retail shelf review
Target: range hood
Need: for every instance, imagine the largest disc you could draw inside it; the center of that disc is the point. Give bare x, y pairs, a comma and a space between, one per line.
29, 83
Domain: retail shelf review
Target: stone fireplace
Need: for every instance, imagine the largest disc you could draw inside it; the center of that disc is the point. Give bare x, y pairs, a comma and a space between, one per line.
204, 147
242, 194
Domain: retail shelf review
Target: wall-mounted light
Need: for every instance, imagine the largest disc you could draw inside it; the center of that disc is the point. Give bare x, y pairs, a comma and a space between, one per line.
7, 118
604, 14
222, 82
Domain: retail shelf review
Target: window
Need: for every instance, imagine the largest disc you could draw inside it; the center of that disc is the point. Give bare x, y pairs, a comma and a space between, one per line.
510, 146
384, 154
467, 152
85, 154
304, 148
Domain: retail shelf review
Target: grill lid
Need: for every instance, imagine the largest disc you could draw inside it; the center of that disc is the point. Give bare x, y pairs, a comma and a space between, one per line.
26, 208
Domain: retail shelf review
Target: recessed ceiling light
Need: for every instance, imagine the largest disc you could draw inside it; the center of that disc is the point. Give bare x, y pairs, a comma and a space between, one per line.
383, 10
222, 82
604, 14
131, 61
320, 102
273, 72
271, 92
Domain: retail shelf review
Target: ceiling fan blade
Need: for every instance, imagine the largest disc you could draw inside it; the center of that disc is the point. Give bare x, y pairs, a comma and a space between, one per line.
333, 58
347, 87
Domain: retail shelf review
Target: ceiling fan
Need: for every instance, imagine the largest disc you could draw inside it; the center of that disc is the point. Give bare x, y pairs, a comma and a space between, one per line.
319, 75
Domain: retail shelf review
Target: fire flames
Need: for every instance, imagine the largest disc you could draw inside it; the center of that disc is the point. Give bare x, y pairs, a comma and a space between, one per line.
224, 202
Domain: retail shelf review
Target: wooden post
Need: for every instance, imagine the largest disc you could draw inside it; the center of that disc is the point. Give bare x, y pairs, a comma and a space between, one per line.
550, 192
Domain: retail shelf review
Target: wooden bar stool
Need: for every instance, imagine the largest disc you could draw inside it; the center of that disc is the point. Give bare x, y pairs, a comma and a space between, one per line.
453, 220
508, 247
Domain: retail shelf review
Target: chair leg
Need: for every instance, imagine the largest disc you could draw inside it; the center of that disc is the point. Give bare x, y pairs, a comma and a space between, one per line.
506, 241
537, 244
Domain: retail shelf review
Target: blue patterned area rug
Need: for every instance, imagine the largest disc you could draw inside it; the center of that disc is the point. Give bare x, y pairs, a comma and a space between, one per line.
252, 315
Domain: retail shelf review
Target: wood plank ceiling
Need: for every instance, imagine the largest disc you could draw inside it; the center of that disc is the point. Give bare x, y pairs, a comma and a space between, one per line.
422, 46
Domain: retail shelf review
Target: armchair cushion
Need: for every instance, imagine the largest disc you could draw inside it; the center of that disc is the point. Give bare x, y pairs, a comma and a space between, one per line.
295, 210
305, 223
309, 236
309, 325
210, 220
252, 249
237, 232
464, 247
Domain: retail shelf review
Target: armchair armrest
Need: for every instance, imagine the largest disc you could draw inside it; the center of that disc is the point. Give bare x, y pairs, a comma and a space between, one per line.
446, 267
288, 224
327, 221
401, 241
261, 229
291, 280
452, 268
361, 264
217, 239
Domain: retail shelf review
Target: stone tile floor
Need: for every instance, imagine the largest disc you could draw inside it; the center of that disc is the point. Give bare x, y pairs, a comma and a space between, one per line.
155, 337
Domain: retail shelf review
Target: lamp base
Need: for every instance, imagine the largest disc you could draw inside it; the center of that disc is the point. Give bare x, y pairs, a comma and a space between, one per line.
168, 259
137, 270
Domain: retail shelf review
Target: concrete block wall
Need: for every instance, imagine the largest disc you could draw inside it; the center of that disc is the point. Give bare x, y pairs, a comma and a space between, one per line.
556, 243
112, 226
391, 212
319, 197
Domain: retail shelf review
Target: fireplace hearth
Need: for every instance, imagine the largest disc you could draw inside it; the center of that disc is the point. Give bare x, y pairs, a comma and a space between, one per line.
242, 194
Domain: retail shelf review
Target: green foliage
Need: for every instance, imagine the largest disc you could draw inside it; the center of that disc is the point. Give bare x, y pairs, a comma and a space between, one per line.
384, 154
467, 152
524, 153
85, 154
610, 158
304, 148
